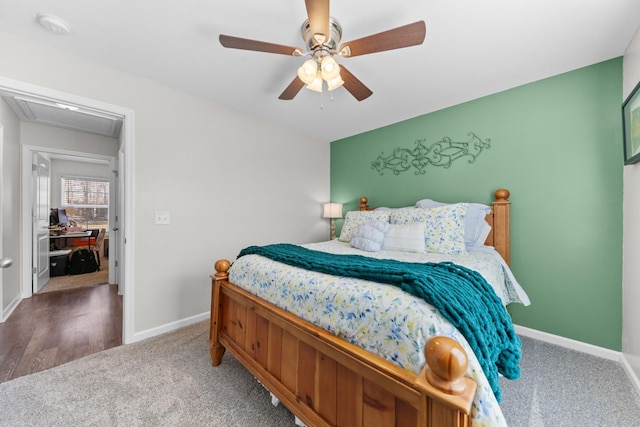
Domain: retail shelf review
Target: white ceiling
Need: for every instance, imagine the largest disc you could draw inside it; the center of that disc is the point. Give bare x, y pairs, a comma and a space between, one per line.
473, 48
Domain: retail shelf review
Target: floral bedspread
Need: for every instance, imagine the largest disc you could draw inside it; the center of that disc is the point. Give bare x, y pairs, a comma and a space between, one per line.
379, 318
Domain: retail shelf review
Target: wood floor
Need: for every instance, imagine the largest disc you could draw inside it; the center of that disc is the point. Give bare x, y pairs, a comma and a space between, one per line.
50, 329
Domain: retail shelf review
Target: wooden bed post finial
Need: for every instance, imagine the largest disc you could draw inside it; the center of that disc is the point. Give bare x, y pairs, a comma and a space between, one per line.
364, 204
222, 267
502, 195
446, 365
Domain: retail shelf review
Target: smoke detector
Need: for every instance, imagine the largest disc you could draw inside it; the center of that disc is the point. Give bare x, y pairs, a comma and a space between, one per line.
53, 24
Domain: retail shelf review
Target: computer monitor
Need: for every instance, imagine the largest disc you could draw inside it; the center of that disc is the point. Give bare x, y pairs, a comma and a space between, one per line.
62, 217
53, 217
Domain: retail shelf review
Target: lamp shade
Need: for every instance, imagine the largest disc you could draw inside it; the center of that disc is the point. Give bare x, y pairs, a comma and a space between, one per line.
316, 84
307, 72
329, 68
335, 83
332, 210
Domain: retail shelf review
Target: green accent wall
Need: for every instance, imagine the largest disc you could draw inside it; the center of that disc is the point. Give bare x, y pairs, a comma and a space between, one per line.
556, 145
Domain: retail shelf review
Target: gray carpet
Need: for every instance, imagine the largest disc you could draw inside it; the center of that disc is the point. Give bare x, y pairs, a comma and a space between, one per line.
559, 387
163, 381
169, 381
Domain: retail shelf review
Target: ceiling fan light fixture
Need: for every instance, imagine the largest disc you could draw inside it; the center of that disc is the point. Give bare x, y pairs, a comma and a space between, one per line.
335, 83
316, 84
330, 68
308, 71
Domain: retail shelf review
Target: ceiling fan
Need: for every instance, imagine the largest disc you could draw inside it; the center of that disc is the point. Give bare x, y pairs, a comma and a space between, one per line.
321, 34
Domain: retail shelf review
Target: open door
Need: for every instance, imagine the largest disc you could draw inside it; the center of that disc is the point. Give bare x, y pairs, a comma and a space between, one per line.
40, 217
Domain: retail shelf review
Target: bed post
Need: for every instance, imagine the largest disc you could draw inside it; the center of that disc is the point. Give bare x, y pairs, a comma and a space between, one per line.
363, 204
215, 348
500, 210
446, 366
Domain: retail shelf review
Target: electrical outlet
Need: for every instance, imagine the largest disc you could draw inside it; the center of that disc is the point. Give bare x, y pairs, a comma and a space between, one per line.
162, 217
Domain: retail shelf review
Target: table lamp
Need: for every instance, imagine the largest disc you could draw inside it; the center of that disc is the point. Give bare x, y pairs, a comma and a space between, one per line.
332, 211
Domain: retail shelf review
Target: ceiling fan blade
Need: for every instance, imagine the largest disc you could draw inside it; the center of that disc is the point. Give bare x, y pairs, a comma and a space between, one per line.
258, 46
353, 85
405, 36
292, 90
318, 13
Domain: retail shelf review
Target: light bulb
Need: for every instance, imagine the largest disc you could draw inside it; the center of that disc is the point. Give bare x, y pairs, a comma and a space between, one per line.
330, 68
335, 83
316, 84
307, 72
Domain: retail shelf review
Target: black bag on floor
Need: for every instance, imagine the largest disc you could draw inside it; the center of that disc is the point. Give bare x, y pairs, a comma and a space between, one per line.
82, 261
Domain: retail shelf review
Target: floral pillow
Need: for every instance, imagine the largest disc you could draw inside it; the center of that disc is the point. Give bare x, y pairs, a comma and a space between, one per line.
476, 228
444, 226
354, 219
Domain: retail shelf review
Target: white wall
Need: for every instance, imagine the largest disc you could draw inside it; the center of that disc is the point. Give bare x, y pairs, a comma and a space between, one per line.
57, 138
631, 244
227, 180
10, 182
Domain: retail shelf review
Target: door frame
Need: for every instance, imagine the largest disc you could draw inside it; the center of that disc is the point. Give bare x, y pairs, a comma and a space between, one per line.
127, 211
1, 215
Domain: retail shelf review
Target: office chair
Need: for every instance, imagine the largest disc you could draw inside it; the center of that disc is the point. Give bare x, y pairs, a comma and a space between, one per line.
98, 243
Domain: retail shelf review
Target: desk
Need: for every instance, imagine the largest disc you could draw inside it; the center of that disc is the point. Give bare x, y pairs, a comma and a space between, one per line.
70, 235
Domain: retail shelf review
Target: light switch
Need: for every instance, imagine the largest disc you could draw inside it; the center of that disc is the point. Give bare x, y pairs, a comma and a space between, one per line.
162, 217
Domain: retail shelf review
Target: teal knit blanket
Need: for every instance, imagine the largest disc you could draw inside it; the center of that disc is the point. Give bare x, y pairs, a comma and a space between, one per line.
461, 295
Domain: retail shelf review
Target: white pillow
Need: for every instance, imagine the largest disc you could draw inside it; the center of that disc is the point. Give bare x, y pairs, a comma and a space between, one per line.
444, 226
369, 236
474, 220
405, 237
354, 219
482, 236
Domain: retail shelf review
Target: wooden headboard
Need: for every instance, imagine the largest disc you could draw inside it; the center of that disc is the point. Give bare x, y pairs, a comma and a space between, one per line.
498, 219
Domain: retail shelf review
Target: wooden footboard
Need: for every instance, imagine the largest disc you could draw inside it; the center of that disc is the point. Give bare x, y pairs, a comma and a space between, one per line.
326, 381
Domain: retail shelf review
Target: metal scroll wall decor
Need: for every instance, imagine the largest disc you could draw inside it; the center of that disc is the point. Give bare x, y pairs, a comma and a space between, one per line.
442, 153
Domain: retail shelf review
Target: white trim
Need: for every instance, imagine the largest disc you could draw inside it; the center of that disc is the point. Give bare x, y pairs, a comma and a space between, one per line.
3, 317
128, 224
569, 343
632, 375
583, 347
168, 327
9, 309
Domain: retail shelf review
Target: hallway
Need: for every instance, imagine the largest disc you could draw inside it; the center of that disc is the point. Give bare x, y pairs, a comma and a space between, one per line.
53, 328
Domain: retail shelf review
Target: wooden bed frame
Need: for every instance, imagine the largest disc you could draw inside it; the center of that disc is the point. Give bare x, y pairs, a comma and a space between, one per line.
326, 381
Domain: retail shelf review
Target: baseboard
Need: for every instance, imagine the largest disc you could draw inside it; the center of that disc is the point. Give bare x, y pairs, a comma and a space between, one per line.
569, 343
12, 306
583, 347
631, 373
138, 336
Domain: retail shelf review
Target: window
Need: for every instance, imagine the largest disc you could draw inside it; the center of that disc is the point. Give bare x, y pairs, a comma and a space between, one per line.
86, 201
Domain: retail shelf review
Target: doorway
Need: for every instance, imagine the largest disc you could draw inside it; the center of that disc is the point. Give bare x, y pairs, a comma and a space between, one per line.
78, 195
125, 242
